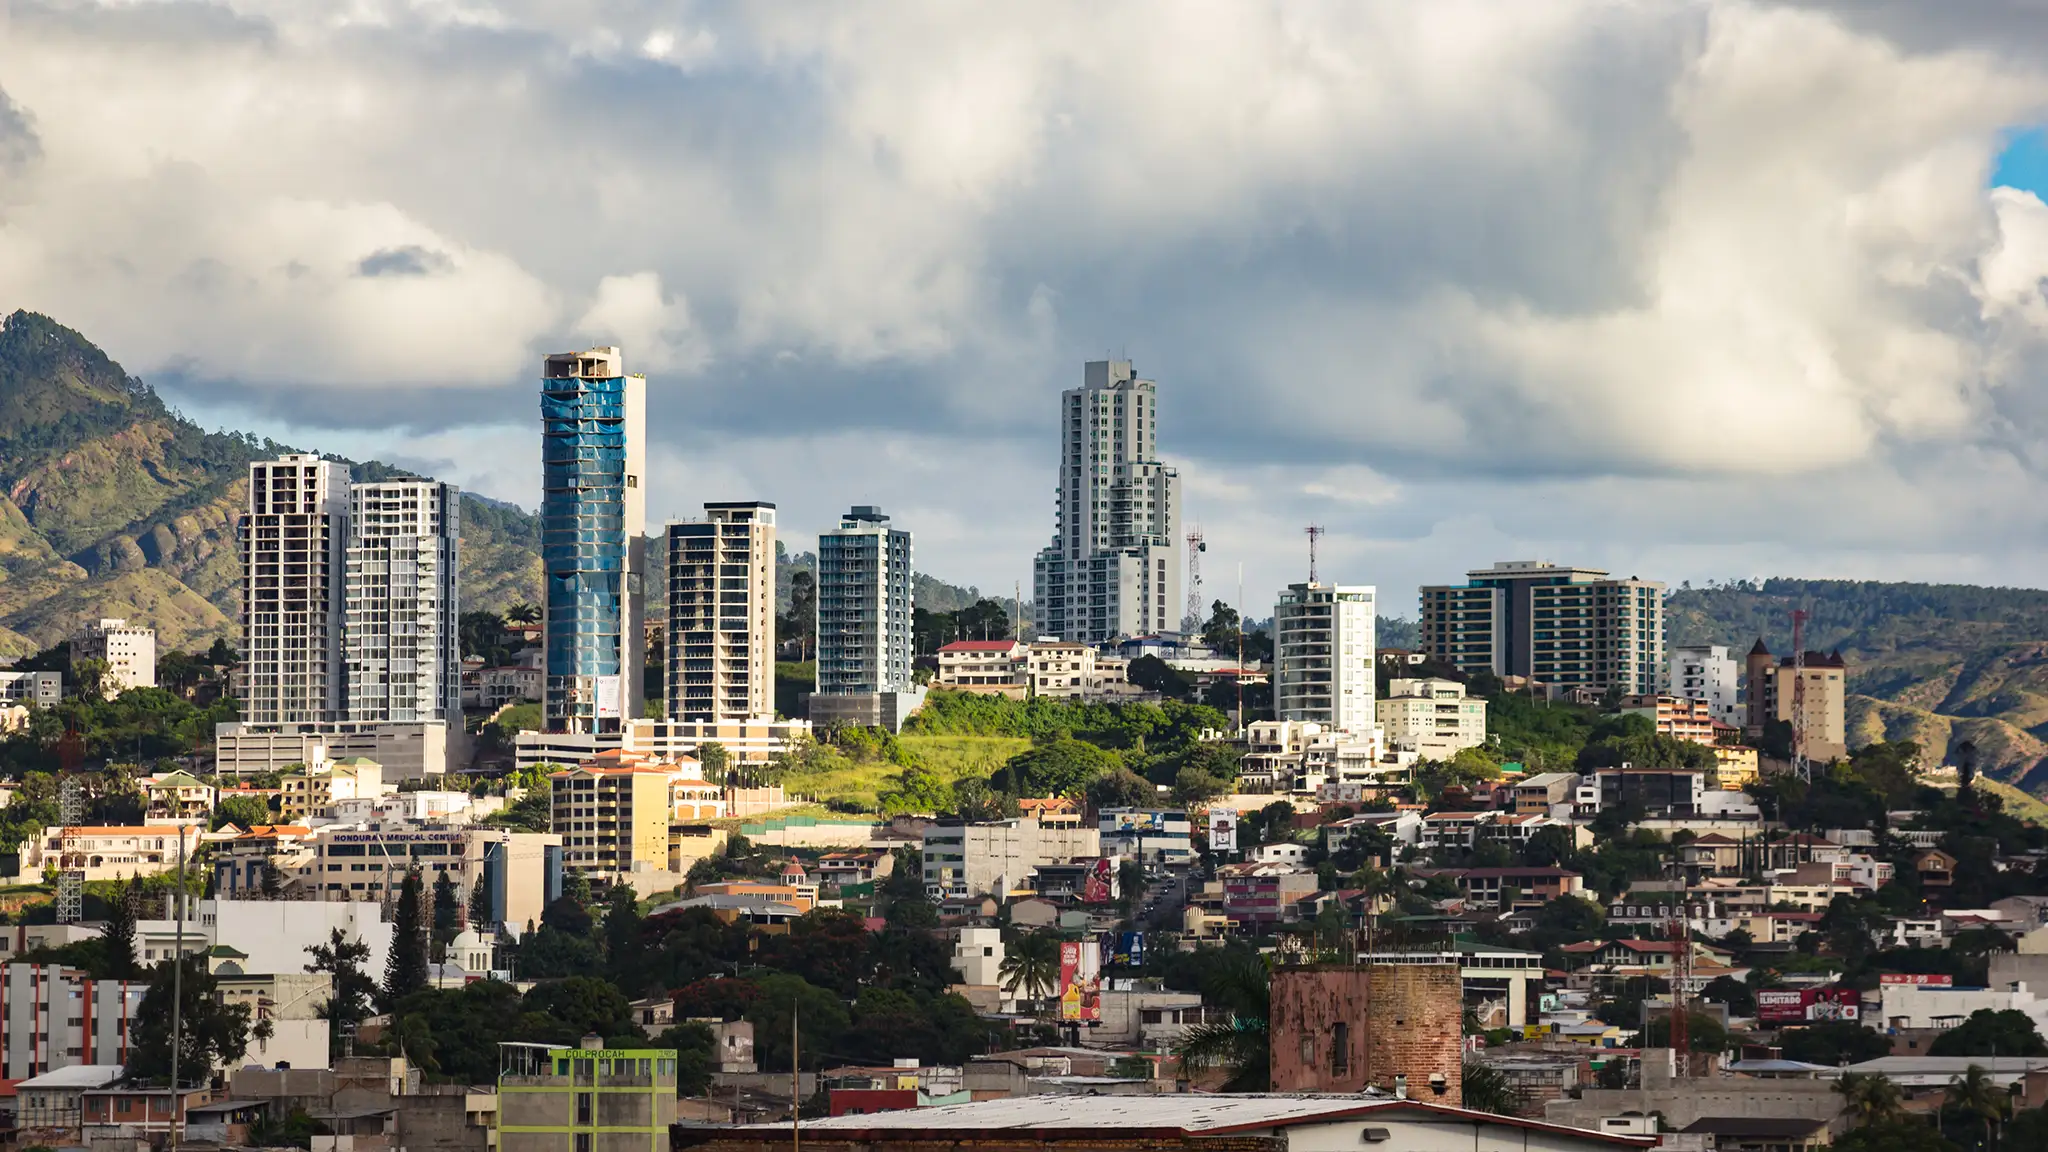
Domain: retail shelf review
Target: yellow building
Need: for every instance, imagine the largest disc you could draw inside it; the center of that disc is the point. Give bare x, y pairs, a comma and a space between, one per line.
613, 811
587, 1099
1735, 765
307, 791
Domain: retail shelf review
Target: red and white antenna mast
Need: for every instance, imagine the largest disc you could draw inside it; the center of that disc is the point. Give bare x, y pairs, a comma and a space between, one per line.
1315, 533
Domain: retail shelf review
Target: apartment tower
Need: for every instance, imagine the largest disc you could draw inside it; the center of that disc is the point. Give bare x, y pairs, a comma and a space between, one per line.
128, 651
864, 610
1565, 627
1112, 568
1324, 669
721, 614
592, 513
402, 639
294, 539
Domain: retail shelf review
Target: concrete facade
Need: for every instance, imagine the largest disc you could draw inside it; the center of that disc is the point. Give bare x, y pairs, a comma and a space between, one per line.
1432, 718
400, 633
60, 1018
864, 618
1399, 1027
972, 859
1565, 627
128, 652
294, 541
720, 657
1324, 665
1113, 567
590, 1099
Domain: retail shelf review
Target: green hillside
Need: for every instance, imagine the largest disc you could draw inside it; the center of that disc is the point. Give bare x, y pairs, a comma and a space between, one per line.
111, 504
1935, 663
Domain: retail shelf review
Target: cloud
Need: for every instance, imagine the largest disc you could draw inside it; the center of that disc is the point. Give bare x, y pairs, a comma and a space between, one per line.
411, 260
1447, 277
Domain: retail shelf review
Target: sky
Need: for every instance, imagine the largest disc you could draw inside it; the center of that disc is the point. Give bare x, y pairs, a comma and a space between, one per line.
1687, 291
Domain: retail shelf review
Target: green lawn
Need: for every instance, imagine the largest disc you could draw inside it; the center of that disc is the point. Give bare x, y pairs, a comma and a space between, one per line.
950, 756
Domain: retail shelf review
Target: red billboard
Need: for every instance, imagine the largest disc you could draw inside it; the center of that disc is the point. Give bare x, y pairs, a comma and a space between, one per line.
1100, 887
1925, 980
1807, 1005
1081, 981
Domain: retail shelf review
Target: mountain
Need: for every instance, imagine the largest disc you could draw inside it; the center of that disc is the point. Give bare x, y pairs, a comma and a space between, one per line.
1934, 663
112, 504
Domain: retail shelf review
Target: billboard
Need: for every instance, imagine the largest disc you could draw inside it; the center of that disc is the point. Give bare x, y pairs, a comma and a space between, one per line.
1807, 1005
1222, 830
608, 697
1100, 886
1126, 949
1922, 980
1080, 981
1134, 821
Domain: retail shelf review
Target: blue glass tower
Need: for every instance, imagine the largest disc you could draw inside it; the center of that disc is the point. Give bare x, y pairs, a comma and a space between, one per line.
592, 513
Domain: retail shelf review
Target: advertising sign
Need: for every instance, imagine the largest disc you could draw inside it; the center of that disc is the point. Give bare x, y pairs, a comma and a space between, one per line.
1136, 821
1922, 980
1807, 1005
1126, 949
1222, 830
1080, 981
607, 697
1100, 887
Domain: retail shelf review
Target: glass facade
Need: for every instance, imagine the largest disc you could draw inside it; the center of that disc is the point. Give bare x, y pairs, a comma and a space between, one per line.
588, 519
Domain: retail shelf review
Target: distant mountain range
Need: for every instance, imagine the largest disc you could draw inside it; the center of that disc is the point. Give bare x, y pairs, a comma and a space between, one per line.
1934, 663
112, 504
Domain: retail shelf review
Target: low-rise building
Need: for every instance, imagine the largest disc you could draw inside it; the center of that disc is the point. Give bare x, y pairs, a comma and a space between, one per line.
1679, 717
963, 860
1264, 893
1431, 718
589, 1099
178, 795
77, 1020
127, 655
315, 787
113, 852
1150, 836
1068, 671
996, 667
1543, 793
36, 689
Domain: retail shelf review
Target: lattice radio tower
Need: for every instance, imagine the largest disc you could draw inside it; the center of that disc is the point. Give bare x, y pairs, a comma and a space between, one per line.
1197, 611
71, 813
1315, 533
1681, 978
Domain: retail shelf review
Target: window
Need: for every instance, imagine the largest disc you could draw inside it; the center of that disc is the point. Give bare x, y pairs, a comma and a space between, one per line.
583, 1142
1340, 1049
583, 1107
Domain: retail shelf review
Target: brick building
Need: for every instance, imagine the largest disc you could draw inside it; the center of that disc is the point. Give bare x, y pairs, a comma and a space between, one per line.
1393, 1026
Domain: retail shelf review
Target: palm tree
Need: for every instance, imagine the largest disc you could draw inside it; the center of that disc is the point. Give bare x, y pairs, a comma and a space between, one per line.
522, 613
1869, 1098
1975, 1093
1240, 1045
1032, 965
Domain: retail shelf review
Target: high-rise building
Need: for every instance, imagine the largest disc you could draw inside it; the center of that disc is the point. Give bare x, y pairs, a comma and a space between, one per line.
401, 634
1324, 667
1112, 568
864, 610
1564, 627
128, 652
721, 614
294, 540
1706, 672
592, 513
1810, 694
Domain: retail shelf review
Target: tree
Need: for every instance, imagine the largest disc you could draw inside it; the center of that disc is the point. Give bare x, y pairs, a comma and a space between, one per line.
1833, 1042
479, 906
1061, 767
1121, 788
523, 613
1193, 788
715, 759
214, 1034
622, 947
800, 626
1240, 984
585, 1006
1739, 997
1487, 1089
1870, 1099
447, 915
1031, 966
975, 802
405, 969
1904, 1135
244, 812
1977, 1096
348, 1003
1989, 1033
117, 936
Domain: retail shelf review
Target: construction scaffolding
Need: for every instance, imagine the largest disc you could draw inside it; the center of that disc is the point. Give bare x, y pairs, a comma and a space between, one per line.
71, 847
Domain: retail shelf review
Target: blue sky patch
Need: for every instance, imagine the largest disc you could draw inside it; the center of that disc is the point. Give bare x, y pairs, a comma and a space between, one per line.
2024, 163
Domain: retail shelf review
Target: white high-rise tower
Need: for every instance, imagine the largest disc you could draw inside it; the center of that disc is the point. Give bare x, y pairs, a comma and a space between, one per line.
1112, 568
293, 541
404, 652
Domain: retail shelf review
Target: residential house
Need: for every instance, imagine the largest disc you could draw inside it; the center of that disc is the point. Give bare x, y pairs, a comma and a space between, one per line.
995, 667
1264, 893
178, 795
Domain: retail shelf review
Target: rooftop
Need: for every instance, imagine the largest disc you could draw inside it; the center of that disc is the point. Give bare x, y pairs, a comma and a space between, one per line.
76, 1076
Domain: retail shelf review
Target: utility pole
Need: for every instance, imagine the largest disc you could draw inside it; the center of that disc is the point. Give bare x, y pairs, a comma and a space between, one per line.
796, 1085
178, 990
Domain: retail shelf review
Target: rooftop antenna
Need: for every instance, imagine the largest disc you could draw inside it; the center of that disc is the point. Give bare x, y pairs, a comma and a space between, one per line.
1315, 533
1196, 546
